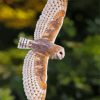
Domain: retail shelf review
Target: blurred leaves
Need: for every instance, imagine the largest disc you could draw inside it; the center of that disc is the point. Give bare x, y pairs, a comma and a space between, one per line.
16, 18
5, 94
69, 28
94, 26
19, 16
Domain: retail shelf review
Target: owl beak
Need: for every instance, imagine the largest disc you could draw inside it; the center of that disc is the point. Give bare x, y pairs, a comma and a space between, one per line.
58, 57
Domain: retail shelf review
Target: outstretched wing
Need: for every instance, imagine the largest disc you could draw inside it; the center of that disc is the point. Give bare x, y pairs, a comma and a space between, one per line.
51, 20
35, 76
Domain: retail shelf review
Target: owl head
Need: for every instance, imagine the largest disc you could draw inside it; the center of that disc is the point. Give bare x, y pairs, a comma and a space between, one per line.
59, 53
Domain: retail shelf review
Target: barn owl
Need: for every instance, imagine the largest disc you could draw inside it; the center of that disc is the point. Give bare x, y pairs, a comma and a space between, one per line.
42, 48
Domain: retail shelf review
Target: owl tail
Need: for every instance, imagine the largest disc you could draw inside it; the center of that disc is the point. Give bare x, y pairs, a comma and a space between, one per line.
24, 43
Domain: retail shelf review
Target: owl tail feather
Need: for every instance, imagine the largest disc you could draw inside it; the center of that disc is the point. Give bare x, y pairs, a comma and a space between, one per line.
24, 43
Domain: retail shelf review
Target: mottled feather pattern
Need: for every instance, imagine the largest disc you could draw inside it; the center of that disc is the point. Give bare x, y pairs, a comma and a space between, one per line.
41, 63
54, 27
31, 81
52, 9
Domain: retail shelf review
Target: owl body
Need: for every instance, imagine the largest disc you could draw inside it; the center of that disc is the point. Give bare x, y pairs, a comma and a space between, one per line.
47, 48
42, 48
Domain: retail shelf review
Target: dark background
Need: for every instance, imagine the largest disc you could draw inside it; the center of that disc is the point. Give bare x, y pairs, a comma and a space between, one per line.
77, 76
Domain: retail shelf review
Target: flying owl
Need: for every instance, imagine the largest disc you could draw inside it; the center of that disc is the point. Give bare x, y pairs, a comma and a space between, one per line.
42, 49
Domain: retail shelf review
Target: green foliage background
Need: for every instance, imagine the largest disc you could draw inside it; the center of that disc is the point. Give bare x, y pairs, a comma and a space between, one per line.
77, 76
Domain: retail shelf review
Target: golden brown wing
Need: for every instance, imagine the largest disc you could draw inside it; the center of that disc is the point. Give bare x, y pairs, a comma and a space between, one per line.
35, 76
51, 20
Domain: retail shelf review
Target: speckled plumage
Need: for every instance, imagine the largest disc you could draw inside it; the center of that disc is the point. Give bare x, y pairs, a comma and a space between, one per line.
34, 76
42, 48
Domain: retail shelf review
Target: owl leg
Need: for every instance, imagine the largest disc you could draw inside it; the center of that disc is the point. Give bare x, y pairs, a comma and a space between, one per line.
25, 43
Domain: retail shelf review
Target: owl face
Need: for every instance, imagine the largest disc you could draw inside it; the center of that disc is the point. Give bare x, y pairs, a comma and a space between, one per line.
59, 54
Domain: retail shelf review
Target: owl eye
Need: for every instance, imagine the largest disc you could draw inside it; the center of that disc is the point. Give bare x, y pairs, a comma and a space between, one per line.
60, 52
